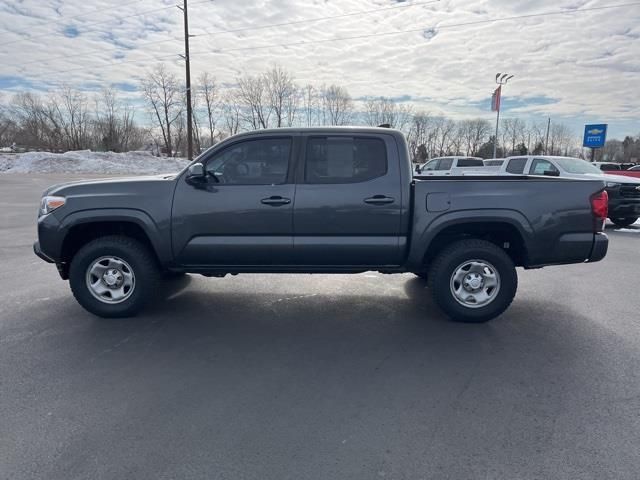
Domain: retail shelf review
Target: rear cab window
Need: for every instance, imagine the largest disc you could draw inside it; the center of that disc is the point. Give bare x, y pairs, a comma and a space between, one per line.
470, 162
344, 159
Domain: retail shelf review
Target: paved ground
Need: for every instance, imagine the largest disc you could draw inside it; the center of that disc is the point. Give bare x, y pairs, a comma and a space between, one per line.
316, 377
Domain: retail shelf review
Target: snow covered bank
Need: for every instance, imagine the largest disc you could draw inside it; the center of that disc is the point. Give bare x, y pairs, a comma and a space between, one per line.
86, 161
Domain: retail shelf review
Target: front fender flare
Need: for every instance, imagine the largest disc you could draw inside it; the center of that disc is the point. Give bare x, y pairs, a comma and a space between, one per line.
160, 242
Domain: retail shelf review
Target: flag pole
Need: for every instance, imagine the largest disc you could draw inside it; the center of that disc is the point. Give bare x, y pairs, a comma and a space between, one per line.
497, 106
501, 79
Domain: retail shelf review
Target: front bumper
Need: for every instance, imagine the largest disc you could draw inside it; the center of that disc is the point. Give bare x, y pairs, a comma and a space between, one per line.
39, 253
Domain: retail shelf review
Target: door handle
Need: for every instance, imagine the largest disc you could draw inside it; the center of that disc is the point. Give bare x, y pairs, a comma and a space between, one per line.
379, 200
275, 201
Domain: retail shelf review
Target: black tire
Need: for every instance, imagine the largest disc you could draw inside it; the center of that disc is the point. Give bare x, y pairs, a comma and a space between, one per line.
141, 261
624, 222
451, 259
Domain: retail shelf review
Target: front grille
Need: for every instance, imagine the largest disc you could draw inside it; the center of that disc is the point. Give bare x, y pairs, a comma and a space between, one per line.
630, 191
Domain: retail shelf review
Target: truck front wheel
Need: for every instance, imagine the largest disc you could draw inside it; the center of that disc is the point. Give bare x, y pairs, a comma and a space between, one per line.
473, 281
114, 276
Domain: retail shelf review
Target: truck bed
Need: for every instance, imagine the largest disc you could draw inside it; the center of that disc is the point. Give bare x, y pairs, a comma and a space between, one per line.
556, 212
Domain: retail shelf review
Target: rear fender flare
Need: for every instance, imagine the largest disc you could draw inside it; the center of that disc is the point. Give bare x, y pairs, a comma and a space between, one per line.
421, 240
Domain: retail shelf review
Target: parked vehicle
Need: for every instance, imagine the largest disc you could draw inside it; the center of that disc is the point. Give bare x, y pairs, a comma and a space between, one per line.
450, 165
317, 200
607, 166
623, 191
631, 172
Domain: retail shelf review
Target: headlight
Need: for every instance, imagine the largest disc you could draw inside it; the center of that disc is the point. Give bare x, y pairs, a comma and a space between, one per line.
50, 203
613, 184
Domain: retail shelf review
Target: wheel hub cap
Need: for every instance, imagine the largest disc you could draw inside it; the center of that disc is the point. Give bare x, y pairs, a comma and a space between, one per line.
475, 283
110, 279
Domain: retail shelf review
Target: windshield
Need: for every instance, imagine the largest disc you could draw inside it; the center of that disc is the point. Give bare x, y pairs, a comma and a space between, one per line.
577, 166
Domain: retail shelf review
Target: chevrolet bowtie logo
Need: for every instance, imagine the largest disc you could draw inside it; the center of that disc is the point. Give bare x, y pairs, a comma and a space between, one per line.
595, 131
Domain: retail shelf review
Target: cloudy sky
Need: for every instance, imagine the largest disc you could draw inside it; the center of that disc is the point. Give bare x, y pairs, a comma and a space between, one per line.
579, 66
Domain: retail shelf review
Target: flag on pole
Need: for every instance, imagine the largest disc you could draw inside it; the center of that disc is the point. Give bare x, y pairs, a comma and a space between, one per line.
495, 99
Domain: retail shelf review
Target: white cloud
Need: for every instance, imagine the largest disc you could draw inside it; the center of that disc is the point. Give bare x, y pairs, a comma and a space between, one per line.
587, 63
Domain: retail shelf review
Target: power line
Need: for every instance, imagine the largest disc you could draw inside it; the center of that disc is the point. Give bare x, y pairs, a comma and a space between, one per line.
124, 17
66, 19
379, 34
259, 27
330, 17
413, 30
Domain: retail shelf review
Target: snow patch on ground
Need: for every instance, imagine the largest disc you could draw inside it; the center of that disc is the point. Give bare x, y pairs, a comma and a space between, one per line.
86, 161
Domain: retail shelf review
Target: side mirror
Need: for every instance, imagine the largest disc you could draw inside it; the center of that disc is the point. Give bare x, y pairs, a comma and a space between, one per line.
551, 173
196, 170
196, 175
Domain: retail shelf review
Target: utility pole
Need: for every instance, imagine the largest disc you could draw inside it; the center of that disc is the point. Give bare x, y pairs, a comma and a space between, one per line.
495, 104
188, 80
546, 142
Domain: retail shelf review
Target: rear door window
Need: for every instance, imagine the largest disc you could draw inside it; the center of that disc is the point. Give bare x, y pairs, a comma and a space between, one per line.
344, 159
516, 165
445, 164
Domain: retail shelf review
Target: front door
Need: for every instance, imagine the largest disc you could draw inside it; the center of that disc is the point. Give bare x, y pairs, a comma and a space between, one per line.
348, 206
243, 214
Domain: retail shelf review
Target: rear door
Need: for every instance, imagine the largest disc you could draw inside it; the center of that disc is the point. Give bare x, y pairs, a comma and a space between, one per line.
348, 205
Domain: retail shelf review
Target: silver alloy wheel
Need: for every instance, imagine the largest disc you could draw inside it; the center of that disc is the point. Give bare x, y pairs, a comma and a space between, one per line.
110, 279
475, 283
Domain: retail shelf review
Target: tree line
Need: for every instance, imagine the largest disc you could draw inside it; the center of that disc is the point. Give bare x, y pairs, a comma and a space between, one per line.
70, 119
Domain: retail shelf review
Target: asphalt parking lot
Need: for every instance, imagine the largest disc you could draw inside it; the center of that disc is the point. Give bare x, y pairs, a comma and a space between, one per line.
316, 377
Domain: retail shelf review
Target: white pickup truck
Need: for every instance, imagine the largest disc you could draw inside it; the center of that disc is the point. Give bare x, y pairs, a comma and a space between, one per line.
450, 166
623, 191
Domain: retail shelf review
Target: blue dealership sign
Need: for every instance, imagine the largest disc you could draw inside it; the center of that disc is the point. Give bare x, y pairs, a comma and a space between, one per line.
595, 135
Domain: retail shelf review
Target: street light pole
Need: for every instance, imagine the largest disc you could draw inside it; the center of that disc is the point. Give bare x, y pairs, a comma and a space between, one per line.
501, 79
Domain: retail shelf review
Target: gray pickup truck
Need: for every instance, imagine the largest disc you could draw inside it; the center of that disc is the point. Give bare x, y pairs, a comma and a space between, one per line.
317, 200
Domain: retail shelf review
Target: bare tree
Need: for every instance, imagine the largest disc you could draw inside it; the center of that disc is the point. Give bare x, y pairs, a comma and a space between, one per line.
337, 105
474, 133
7, 125
231, 113
444, 131
561, 139
209, 92
253, 98
162, 91
283, 95
310, 105
383, 110
420, 137
512, 133
115, 128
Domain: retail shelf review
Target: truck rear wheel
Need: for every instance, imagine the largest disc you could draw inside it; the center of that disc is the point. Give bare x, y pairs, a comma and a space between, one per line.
114, 276
473, 281
623, 222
